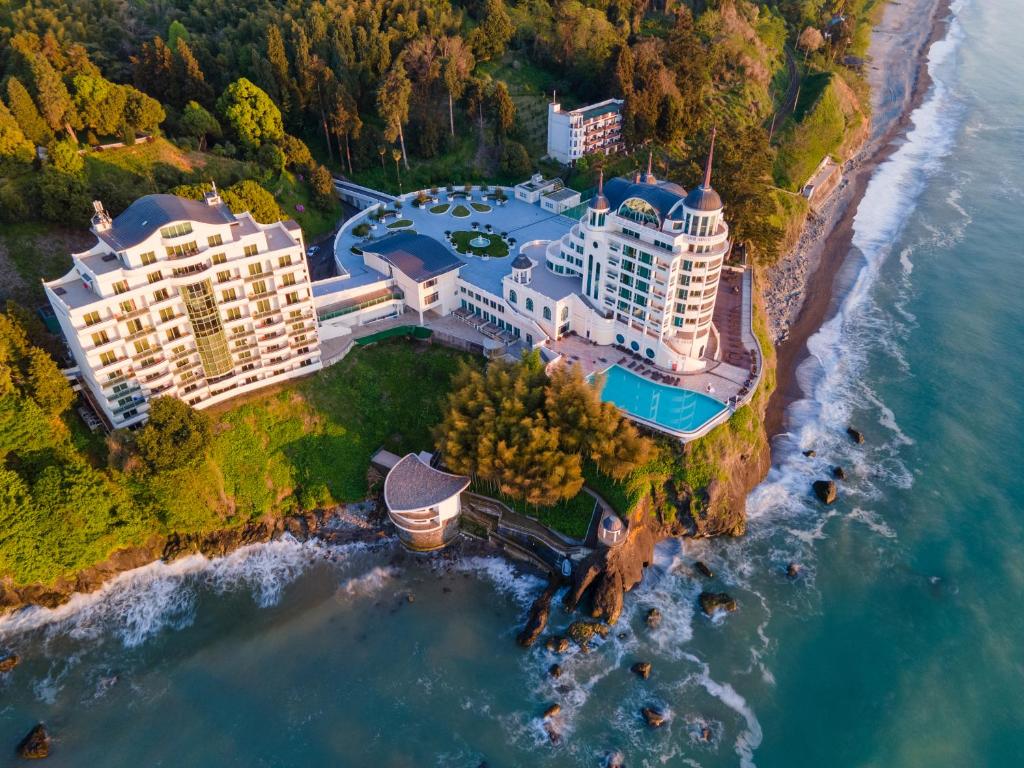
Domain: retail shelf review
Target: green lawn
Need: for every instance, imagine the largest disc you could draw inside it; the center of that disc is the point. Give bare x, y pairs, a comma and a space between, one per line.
569, 516
481, 207
317, 436
291, 193
400, 224
497, 248
460, 211
440, 208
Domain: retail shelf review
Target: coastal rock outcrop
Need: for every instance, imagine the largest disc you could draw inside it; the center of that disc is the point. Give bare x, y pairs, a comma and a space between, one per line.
538, 619
856, 435
712, 602
654, 618
583, 632
555, 670
703, 570
553, 710
36, 745
826, 491
793, 570
9, 662
557, 644
641, 669
655, 717
838, 473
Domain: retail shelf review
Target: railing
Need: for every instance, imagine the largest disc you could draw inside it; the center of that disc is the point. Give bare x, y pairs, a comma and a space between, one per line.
392, 296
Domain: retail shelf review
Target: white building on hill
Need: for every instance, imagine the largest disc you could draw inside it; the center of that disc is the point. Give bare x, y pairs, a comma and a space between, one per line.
577, 132
183, 298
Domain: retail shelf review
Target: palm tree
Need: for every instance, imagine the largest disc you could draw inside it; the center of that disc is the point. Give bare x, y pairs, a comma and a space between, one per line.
396, 155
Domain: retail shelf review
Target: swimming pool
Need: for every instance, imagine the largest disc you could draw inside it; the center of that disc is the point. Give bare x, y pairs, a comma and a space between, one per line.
675, 410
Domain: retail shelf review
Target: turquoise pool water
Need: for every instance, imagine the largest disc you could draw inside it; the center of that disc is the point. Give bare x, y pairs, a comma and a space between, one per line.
679, 410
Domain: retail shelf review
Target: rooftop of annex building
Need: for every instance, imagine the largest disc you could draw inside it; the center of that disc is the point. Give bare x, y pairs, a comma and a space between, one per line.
514, 219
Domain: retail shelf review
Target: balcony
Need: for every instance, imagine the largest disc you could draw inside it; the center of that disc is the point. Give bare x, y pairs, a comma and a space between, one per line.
138, 312
347, 308
129, 374
191, 269
258, 276
149, 364
139, 334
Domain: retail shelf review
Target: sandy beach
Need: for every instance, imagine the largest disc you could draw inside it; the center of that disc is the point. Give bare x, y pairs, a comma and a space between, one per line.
800, 288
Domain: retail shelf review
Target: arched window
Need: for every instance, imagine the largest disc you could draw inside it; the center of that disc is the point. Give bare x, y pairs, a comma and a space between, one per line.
512, 298
649, 352
547, 313
620, 338
529, 305
640, 211
564, 314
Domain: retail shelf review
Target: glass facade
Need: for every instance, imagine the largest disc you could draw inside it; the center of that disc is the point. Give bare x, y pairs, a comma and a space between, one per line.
207, 329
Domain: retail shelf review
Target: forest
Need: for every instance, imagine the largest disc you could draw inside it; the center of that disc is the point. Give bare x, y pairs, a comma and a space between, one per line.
407, 93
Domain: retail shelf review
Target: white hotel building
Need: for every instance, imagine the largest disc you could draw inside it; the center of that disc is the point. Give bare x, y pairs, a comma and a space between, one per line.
574, 133
640, 270
183, 298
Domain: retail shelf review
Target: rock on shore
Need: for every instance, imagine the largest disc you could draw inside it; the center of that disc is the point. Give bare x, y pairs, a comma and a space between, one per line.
641, 669
826, 491
9, 662
655, 717
710, 602
538, 620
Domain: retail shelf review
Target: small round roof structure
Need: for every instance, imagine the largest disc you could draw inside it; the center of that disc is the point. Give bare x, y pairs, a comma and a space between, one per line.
412, 485
703, 198
522, 261
612, 523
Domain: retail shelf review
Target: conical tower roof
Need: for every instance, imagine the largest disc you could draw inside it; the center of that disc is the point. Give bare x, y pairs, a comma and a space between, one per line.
600, 202
704, 197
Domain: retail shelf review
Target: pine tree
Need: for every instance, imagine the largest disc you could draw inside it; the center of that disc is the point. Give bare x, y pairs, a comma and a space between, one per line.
52, 96
393, 105
189, 80
15, 148
278, 60
26, 113
153, 69
458, 64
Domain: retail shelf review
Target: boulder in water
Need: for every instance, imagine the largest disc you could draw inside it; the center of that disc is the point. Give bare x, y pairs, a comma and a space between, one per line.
706, 734
615, 760
810, 454
655, 718
642, 669
582, 632
555, 670
710, 602
36, 745
856, 435
654, 618
553, 710
703, 570
557, 644
553, 736
793, 570
538, 619
838, 473
826, 491
9, 662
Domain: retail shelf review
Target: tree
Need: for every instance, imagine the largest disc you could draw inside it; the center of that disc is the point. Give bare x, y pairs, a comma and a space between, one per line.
503, 109
177, 32
393, 105
515, 159
344, 121
189, 81
458, 64
491, 37
810, 40
271, 157
153, 69
322, 184
15, 148
141, 113
52, 96
277, 58
26, 114
297, 154
249, 196
199, 124
47, 384
176, 436
252, 115
100, 104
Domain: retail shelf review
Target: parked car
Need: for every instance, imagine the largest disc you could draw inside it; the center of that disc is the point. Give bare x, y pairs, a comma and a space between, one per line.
313, 250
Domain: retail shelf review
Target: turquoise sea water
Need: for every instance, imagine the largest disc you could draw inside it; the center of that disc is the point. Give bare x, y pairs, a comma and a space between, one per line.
901, 644
677, 409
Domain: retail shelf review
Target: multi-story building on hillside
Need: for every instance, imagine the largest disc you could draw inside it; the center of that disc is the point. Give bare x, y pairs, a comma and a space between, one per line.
184, 298
578, 132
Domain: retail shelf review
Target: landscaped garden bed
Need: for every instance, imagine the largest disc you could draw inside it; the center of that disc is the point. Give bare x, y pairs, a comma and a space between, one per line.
496, 249
441, 208
460, 211
400, 224
481, 207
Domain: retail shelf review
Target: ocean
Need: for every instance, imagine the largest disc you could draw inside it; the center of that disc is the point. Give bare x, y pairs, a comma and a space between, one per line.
899, 644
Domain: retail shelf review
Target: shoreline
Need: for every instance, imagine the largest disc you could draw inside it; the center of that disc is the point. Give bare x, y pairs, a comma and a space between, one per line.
825, 256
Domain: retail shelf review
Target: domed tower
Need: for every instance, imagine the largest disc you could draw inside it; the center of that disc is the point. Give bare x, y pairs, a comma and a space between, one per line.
597, 211
703, 206
522, 269
593, 230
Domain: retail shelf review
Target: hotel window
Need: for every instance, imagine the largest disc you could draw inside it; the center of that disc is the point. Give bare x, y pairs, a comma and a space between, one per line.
642, 286
643, 272
645, 257
161, 295
431, 298
288, 280
677, 321
176, 230
126, 306
259, 287
107, 358
252, 250
547, 313
293, 298
284, 261
142, 346
223, 277
529, 305
100, 338
174, 333
626, 280
184, 249
512, 298
234, 314
134, 326
255, 269
295, 314
147, 258
155, 277
166, 315
688, 265
228, 295
121, 286
218, 258
91, 318
214, 241
263, 305
564, 314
